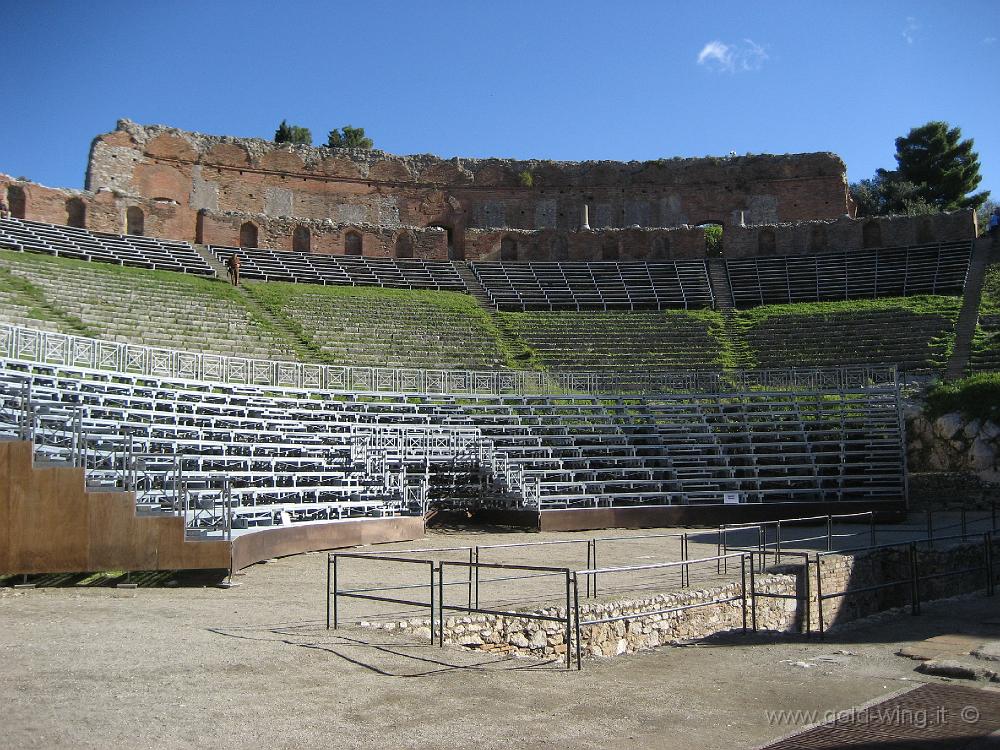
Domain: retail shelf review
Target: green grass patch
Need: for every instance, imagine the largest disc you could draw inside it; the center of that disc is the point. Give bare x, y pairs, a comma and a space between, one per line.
976, 397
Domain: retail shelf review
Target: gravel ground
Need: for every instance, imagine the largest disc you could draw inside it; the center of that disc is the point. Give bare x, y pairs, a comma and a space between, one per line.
253, 666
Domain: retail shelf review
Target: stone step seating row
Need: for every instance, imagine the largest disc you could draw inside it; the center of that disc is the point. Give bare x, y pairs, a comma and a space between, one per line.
595, 286
395, 330
349, 270
631, 341
119, 249
914, 342
938, 268
282, 446
133, 307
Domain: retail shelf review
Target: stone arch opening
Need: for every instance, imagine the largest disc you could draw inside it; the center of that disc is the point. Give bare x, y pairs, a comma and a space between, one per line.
559, 248
609, 248
135, 221
659, 248
248, 234
713, 237
17, 201
508, 248
301, 239
454, 252
817, 238
76, 213
925, 230
871, 234
404, 246
353, 243
766, 241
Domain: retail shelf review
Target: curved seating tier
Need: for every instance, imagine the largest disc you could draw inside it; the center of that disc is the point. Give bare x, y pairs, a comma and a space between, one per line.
939, 268
917, 338
596, 286
119, 249
349, 270
132, 305
288, 452
651, 341
368, 327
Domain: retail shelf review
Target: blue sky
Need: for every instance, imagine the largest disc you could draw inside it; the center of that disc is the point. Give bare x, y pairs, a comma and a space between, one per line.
569, 80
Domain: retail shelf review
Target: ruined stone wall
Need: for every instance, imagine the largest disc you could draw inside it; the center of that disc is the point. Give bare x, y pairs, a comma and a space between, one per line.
105, 210
608, 244
845, 233
326, 237
356, 186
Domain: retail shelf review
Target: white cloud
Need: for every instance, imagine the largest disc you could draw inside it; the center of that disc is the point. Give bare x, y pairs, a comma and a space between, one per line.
731, 58
910, 29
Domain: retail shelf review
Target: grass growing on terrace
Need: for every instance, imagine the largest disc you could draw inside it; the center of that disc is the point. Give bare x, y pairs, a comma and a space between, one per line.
406, 326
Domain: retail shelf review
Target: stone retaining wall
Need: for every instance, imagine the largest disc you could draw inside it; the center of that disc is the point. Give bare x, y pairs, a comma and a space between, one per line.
509, 634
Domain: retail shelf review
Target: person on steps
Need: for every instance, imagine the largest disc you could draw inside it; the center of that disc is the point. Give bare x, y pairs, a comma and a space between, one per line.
233, 264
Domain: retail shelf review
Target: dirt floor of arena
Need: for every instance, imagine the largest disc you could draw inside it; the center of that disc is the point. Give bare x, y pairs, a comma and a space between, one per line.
192, 665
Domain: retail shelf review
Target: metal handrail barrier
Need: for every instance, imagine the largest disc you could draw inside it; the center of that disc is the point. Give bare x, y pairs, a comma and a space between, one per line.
334, 592
47, 347
803, 599
747, 571
591, 579
513, 545
538, 571
763, 526
913, 579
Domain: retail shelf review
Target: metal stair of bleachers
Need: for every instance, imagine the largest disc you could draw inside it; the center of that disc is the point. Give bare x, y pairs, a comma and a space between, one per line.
937, 268
627, 285
349, 270
119, 249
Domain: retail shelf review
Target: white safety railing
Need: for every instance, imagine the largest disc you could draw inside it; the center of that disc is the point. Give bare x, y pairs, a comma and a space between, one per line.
32, 345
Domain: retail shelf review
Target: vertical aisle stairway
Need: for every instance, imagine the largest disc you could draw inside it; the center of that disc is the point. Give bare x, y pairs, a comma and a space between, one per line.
985, 250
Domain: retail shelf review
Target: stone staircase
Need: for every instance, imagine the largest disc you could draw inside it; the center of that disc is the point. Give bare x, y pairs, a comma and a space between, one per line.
305, 348
719, 280
984, 251
476, 289
218, 266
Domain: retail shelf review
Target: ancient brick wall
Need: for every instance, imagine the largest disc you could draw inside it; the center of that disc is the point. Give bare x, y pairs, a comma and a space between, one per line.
355, 186
608, 244
845, 233
325, 237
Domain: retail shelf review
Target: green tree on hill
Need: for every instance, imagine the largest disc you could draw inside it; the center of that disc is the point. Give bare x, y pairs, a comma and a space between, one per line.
348, 137
293, 134
935, 171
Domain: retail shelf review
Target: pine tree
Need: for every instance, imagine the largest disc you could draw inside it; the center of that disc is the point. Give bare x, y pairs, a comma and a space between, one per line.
292, 134
943, 167
348, 137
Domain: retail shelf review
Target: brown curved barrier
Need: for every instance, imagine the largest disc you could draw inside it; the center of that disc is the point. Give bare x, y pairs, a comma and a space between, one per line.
49, 523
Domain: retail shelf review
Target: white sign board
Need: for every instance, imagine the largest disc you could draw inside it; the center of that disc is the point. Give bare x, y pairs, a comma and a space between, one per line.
730, 497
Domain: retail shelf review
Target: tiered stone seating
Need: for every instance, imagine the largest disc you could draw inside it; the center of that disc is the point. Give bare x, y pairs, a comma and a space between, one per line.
596, 286
119, 249
130, 305
836, 334
986, 342
349, 270
390, 328
939, 268
669, 340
